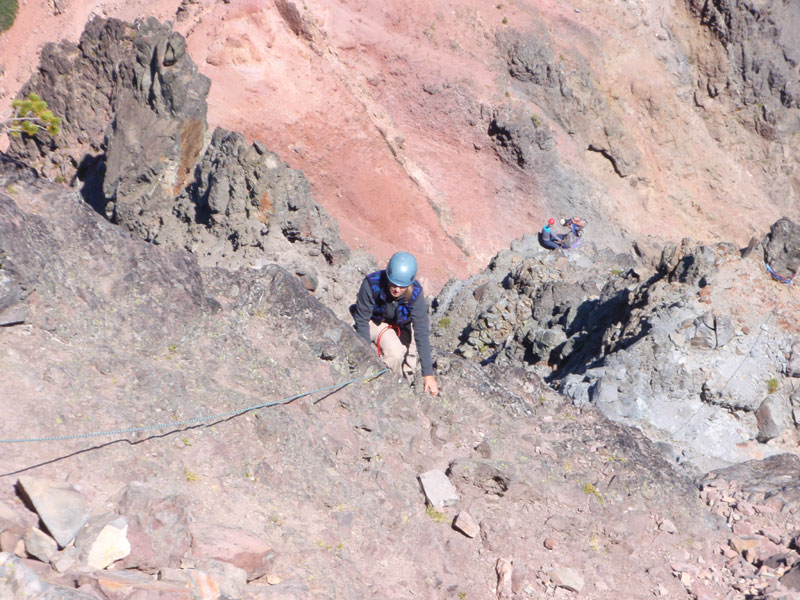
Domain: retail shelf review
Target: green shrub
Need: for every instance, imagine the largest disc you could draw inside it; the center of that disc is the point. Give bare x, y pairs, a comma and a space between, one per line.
8, 12
29, 115
772, 385
444, 322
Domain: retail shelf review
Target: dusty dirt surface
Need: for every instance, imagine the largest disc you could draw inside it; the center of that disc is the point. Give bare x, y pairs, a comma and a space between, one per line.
383, 106
122, 333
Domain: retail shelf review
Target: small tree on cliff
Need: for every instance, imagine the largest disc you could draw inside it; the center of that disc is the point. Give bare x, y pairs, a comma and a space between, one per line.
28, 116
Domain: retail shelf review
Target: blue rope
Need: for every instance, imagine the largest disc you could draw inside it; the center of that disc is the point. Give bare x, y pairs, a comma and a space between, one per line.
778, 277
232, 413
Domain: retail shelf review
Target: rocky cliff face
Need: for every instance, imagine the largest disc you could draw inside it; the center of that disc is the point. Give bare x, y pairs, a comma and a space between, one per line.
499, 487
645, 116
696, 351
758, 55
161, 315
136, 141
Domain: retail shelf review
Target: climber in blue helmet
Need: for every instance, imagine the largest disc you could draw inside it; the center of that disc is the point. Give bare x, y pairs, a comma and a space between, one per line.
392, 313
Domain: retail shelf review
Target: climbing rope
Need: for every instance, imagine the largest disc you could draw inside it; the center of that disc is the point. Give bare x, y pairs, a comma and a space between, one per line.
225, 415
788, 280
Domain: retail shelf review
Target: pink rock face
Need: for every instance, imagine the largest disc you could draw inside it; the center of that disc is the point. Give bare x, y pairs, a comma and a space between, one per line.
385, 106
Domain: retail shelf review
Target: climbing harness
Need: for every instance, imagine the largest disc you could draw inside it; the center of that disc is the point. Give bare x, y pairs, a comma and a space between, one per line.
380, 300
225, 415
395, 328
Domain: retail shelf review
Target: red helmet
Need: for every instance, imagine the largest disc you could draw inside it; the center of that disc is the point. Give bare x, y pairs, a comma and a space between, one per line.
551, 221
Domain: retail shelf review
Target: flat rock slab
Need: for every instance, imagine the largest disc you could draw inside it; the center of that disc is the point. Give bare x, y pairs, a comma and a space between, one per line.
466, 524
236, 546
124, 584
567, 578
61, 507
103, 540
438, 489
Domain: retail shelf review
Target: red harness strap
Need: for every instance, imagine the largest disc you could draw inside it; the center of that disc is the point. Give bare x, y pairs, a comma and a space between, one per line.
396, 328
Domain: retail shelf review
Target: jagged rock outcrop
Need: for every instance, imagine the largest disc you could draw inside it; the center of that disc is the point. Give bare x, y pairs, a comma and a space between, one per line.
520, 137
243, 194
782, 248
117, 66
665, 349
136, 137
757, 65
568, 96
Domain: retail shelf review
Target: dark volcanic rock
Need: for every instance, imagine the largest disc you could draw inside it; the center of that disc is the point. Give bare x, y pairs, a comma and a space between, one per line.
568, 97
762, 51
13, 292
157, 527
777, 476
640, 347
117, 65
520, 137
782, 248
241, 195
135, 134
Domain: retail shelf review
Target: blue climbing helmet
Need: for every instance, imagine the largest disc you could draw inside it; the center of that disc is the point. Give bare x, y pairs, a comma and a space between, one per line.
402, 269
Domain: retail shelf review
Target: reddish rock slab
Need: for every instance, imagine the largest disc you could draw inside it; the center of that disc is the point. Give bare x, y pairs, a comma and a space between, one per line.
235, 546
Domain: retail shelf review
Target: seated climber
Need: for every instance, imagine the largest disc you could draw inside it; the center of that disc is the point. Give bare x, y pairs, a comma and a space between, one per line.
550, 239
392, 313
576, 225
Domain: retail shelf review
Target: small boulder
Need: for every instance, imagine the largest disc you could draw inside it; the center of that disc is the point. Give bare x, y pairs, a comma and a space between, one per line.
103, 540
793, 366
438, 489
11, 541
39, 545
782, 248
231, 580
705, 338
61, 507
545, 341
791, 579
158, 527
567, 578
235, 546
769, 418
504, 570
64, 560
18, 580
466, 524
723, 326
489, 476
134, 584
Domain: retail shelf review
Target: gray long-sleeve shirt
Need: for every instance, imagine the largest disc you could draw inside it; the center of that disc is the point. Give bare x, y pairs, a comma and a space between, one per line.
367, 302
